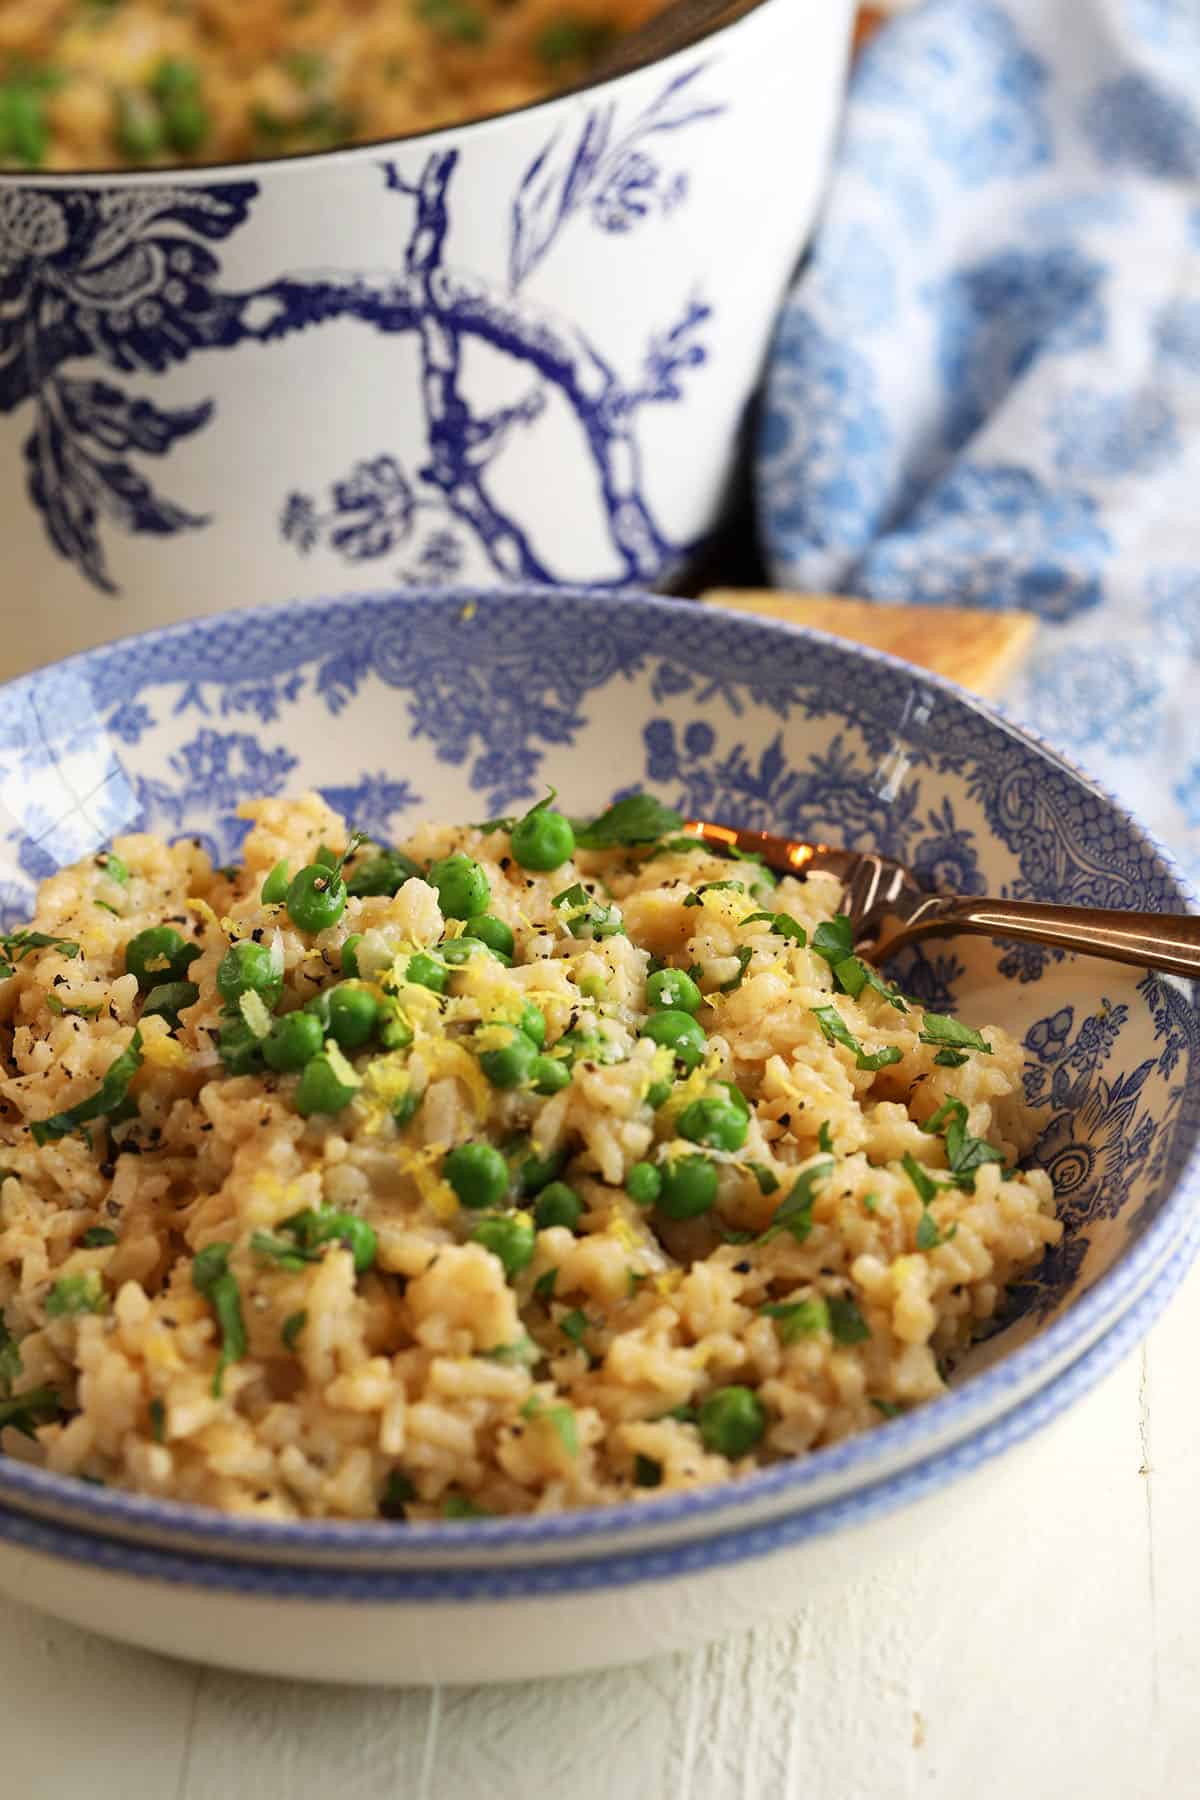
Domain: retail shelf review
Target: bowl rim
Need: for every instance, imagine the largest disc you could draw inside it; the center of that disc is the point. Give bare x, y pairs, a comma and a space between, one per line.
724, 1548
173, 174
1090, 1319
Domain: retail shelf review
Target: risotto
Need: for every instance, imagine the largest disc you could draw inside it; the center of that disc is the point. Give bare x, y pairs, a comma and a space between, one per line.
88, 84
528, 1165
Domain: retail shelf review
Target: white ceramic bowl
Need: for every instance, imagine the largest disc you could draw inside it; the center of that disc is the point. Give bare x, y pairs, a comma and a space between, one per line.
464, 704
519, 349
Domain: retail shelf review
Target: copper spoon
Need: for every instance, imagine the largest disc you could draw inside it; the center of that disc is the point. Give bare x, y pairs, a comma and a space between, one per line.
888, 909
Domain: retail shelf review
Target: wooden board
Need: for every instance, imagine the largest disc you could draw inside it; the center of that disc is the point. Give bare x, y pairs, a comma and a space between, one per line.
980, 650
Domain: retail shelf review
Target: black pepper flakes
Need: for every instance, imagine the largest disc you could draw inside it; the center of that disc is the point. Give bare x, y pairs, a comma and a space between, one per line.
742, 1268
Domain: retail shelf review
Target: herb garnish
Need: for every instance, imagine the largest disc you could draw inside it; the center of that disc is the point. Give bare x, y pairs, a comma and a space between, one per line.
22, 1409
647, 1473
825, 1138
74, 1294
574, 1325
794, 1213
637, 819
211, 1277
291, 1328
711, 887
108, 1096
158, 1420
835, 1030
543, 1287
847, 1323
15, 946
743, 957
768, 1181
585, 916
397, 1492
797, 1318
96, 1237
940, 1028
561, 1419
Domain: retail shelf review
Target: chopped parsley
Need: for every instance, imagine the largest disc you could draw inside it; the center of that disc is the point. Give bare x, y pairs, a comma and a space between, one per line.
158, 1420
584, 916
834, 940
853, 975
797, 1318
768, 1181
285, 1251
10, 1359
964, 1153
782, 924
835, 1030
291, 1328
211, 1277
637, 819
456, 19
574, 1325
561, 1420
928, 1234
15, 946
108, 1097
743, 957
57, 1007
647, 1473
888, 1408
397, 1492
96, 1237
951, 1059
461, 1506
847, 1323
22, 1410
940, 1028
825, 1138
524, 1352
921, 1179
543, 1287
75, 1294
794, 1213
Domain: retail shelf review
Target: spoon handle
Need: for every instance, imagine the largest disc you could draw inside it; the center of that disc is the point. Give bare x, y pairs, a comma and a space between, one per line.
1166, 941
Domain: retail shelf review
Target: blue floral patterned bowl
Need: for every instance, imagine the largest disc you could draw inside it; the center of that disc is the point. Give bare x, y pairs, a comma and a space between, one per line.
459, 704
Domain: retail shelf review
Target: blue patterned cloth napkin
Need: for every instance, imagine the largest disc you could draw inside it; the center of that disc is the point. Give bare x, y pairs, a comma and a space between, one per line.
985, 387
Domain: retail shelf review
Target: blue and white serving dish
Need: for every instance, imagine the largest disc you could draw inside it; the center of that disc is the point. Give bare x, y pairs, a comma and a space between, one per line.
521, 349
462, 703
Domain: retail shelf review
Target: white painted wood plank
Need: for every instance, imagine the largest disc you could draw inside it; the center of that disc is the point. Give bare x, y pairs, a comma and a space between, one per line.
83, 1719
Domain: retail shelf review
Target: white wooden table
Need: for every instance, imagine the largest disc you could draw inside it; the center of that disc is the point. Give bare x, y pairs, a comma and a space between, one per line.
1047, 1646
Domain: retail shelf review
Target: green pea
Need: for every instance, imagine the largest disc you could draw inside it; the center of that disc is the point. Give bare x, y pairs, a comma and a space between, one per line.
406, 1107
492, 932
24, 133
643, 1184
689, 1188
462, 886
174, 76
325, 1225
248, 968
426, 972
114, 867
731, 1421
275, 887
548, 1075
671, 990
238, 1048
533, 1023
509, 1065
294, 1040
658, 1093
558, 1204
350, 953
187, 122
543, 840
717, 1123
456, 951
679, 1032
378, 875
395, 1033
169, 998
478, 1175
139, 127
316, 898
353, 1014
507, 1237
320, 1089
158, 953
534, 1171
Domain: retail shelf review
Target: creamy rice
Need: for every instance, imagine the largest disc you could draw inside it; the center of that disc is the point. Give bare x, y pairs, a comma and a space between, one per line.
842, 1266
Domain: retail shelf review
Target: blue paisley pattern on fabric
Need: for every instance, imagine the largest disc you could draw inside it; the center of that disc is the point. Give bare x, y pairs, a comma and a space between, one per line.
1035, 411
127, 276
217, 712
1110, 435
998, 538
977, 91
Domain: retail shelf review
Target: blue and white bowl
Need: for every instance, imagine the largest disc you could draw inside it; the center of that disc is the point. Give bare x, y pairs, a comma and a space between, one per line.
463, 703
520, 349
